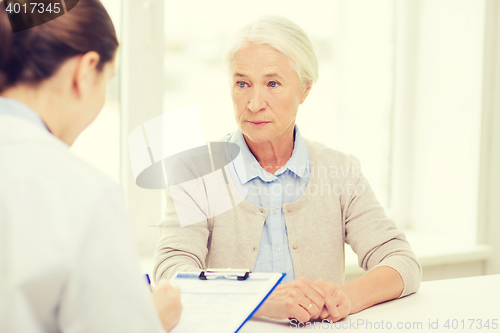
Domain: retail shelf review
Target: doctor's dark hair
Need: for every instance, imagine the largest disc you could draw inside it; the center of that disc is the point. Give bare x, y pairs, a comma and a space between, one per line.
34, 55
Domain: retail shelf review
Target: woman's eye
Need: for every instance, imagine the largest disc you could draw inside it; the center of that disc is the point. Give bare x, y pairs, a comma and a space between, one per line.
273, 84
241, 84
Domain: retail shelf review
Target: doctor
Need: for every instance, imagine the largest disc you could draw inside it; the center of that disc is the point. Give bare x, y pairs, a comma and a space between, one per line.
67, 259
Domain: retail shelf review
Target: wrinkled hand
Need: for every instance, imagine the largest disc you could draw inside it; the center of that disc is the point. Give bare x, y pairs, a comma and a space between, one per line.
339, 305
301, 299
167, 299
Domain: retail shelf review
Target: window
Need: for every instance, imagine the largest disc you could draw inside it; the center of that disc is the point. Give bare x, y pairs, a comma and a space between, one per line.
350, 107
438, 91
400, 87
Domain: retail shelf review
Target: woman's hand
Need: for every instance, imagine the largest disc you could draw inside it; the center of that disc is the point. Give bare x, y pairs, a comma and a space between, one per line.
301, 299
339, 304
167, 299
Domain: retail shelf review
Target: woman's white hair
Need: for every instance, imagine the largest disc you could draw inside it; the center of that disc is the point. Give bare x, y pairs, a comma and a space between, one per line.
283, 35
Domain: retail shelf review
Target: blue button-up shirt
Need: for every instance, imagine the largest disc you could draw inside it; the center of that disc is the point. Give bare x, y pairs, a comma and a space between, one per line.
272, 191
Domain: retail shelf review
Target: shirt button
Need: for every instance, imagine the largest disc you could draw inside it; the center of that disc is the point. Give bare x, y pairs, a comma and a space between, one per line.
275, 211
277, 248
295, 246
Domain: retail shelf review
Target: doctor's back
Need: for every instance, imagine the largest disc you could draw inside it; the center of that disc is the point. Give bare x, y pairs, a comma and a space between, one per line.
66, 255
67, 259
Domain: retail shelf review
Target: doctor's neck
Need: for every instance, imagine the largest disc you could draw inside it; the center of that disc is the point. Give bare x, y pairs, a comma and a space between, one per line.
69, 100
62, 100
48, 104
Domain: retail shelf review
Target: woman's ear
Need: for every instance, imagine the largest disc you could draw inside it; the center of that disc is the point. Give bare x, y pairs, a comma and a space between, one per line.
307, 88
85, 73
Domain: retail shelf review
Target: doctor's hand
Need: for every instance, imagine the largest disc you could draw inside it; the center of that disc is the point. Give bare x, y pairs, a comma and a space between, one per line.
301, 299
167, 299
339, 305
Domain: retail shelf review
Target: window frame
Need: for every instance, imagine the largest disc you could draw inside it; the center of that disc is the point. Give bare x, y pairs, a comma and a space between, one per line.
141, 56
489, 181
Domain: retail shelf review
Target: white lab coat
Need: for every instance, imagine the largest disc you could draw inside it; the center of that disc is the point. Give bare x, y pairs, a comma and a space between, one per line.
67, 258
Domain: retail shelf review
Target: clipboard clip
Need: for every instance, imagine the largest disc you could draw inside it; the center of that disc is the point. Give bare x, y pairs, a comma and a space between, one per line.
229, 274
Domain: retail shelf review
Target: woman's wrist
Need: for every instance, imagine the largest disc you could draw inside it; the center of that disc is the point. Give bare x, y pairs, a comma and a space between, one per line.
350, 298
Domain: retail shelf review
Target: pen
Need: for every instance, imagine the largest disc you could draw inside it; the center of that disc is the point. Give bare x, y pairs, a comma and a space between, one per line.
149, 282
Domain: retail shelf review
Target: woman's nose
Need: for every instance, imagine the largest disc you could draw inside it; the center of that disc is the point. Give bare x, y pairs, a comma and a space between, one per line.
257, 100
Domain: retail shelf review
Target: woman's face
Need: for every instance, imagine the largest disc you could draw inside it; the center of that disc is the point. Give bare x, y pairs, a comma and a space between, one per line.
266, 92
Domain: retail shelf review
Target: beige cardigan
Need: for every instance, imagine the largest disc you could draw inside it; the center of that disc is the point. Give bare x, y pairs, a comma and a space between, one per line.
337, 207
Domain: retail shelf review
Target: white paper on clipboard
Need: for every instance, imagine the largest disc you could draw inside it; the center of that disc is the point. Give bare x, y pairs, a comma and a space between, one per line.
220, 305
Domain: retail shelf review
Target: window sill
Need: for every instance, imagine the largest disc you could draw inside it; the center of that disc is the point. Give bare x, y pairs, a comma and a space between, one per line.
432, 250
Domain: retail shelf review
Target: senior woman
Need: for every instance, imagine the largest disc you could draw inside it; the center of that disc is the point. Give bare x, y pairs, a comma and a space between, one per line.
295, 213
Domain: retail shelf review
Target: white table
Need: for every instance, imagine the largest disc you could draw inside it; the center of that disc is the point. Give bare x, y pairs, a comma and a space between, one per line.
437, 303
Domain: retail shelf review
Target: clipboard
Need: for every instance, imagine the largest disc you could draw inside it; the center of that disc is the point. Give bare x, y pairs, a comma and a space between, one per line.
222, 300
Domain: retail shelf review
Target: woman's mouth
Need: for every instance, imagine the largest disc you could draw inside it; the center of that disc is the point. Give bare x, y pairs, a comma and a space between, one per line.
258, 123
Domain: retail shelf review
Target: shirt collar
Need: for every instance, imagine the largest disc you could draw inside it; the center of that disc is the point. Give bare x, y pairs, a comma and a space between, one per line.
12, 107
299, 162
247, 167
